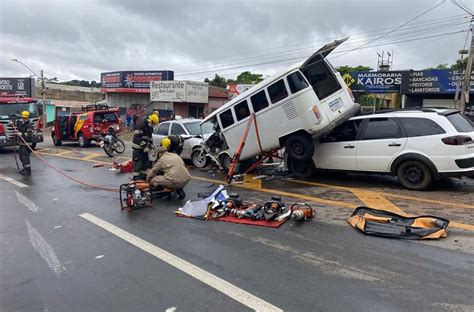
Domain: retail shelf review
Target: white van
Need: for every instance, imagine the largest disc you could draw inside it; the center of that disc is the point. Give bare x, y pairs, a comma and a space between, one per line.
292, 107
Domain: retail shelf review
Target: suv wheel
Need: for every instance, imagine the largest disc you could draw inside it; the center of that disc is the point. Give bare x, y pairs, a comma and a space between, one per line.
300, 169
414, 175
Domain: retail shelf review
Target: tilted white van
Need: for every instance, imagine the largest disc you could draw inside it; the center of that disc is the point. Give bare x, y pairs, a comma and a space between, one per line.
292, 107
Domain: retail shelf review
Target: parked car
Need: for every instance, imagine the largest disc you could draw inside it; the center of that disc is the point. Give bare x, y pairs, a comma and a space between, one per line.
190, 129
418, 146
84, 126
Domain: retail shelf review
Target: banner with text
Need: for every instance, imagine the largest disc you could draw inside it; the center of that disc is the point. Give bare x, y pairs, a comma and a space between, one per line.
179, 91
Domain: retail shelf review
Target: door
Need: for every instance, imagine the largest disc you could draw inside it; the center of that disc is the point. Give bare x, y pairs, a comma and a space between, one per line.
381, 141
178, 129
337, 150
160, 132
323, 52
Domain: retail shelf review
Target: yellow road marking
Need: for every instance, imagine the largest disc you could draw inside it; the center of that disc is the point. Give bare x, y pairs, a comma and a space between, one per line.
455, 224
63, 153
90, 156
375, 200
418, 199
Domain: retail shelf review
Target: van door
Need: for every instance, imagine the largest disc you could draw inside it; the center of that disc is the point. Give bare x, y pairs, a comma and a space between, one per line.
323, 52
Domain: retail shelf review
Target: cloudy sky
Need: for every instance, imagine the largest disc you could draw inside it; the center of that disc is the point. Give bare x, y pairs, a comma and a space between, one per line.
79, 39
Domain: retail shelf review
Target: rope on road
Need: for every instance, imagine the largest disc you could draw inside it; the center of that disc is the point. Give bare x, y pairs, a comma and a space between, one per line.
61, 172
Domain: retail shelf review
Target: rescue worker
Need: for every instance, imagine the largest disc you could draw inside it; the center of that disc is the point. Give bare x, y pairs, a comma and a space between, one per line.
142, 137
173, 143
169, 171
23, 127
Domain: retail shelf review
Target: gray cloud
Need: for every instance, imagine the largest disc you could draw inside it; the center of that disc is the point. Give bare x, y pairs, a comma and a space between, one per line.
79, 39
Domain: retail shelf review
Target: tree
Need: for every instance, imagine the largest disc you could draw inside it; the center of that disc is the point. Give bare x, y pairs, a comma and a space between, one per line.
440, 66
218, 81
247, 77
349, 69
460, 64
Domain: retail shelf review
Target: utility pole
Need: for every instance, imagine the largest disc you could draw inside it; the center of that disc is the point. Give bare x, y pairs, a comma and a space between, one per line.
43, 100
466, 86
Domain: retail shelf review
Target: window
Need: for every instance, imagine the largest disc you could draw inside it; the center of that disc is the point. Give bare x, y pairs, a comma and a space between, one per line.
460, 122
163, 129
110, 117
345, 132
296, 82
321, 79
420, 127
259, 101
277, 91
242, 110
226, 118
85, 117
177, 129
382, 128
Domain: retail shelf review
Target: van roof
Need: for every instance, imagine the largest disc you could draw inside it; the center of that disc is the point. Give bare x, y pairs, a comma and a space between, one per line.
323, 52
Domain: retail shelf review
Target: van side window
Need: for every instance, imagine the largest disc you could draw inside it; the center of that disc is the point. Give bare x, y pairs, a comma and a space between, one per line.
259, 101
321, 79
277, 91
242, 110
296, 82
226, 118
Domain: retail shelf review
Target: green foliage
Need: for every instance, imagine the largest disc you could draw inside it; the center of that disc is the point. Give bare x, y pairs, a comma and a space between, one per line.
460, 64
245, 77
349, 69
82, 83
248, 78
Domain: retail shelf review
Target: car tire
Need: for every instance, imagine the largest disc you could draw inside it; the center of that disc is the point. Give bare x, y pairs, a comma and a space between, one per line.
225, 161
414, 175
300, 147
56, 142
301, 169
82, 140
198, 158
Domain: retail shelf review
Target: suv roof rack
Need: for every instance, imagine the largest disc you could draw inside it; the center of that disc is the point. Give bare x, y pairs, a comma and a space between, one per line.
415, 108
92, 107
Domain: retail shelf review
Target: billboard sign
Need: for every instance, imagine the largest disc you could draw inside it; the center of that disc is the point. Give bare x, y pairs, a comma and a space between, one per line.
132, 81
179, 91
17, 86
436, 81
374, 82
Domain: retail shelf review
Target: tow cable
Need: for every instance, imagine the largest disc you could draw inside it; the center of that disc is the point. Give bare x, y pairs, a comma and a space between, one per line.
61, 171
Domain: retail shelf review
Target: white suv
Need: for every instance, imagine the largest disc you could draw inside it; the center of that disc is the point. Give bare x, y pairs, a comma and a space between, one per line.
419, 146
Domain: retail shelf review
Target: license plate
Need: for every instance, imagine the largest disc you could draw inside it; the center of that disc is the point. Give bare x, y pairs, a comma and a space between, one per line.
336, 104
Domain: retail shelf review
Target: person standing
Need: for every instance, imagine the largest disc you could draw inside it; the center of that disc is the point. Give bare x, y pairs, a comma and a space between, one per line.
142, 136
129, 122
23, 127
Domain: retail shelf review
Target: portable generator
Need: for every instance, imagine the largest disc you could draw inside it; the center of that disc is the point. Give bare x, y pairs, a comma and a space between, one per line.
135, 195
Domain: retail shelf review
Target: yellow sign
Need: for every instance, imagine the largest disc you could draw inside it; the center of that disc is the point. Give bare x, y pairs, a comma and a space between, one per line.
348, 79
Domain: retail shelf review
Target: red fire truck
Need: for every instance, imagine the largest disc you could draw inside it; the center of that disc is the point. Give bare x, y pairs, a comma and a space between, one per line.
10, 111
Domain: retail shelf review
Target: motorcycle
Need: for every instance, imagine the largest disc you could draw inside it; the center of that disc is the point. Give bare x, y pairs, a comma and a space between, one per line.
111, 143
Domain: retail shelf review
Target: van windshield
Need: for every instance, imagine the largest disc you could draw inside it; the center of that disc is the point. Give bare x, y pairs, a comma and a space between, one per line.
321, 78
194, 128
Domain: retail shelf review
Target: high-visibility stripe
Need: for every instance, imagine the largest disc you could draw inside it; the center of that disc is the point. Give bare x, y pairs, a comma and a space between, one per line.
136, 146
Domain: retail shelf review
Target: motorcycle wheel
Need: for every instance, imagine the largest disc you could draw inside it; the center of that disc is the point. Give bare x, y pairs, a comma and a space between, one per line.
108, 150
119, 146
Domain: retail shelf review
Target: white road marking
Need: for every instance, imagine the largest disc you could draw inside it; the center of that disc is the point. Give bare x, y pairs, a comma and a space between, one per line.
25, 201
12, 181
172, 309
215, 282
99, 256
44, 250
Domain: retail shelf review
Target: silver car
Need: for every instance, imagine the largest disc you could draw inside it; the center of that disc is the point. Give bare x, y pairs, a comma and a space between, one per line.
191, 131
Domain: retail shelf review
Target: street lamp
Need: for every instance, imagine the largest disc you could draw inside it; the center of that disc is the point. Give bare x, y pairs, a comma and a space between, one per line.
43, 88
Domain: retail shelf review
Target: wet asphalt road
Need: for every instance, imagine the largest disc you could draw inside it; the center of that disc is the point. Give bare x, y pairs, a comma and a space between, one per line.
51, 259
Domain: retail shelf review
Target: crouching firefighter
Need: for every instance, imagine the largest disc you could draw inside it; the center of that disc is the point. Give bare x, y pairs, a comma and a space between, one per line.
169, 171
142, 137
23, 128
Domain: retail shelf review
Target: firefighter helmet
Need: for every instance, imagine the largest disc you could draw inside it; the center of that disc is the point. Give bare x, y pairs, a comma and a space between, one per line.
25, 114
153, 119
166, 142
